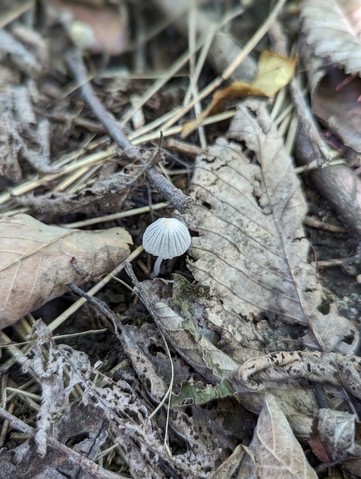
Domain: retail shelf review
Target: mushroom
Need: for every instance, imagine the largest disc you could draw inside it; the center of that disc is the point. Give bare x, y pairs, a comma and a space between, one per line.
166, 238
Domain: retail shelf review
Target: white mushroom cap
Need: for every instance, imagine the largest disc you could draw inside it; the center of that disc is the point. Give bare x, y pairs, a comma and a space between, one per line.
166, 238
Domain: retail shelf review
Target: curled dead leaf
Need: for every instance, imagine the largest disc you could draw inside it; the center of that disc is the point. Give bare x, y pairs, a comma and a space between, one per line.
327, 368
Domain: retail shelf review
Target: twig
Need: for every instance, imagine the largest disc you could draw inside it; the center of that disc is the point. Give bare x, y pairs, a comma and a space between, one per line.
183, 147
95, 289
100, 305
334, 263
316, 223
86, 464
115, 216
76, 65
77, 68
178, 199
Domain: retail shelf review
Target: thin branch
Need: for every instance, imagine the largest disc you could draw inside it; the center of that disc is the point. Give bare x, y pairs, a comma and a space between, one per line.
77, 68
76, 65
100, 305
174, 195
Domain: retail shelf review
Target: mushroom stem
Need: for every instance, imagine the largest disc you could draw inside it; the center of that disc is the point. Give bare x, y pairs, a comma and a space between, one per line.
157, 265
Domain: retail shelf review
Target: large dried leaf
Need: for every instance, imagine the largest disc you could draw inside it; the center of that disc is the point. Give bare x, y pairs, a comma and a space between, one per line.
274, 451
252, 250
333, 29
37, 261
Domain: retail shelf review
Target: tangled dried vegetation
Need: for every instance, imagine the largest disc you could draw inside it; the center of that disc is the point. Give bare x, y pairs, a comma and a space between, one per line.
241, 359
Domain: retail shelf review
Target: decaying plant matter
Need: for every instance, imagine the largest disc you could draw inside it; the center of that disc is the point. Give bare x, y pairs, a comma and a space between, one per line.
240, 360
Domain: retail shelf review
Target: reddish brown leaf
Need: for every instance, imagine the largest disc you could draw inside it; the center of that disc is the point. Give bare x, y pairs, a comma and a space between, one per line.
336, 101
101, 30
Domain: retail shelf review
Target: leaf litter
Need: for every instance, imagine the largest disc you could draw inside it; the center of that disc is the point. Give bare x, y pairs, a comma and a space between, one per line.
252, 250
334, 65
37, 261
254, 334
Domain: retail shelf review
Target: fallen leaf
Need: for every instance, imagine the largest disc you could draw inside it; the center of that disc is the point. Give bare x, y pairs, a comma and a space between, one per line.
333, 29
37, 261
274, 72
333, 436
98, 27
274, 451
251, 250
336, 102
193, 393
230, 466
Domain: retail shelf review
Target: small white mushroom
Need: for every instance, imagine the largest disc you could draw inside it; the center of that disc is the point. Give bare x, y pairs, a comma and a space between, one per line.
166, 238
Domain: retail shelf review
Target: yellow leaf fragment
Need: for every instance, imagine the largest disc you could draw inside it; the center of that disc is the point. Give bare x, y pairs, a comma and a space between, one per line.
274, 72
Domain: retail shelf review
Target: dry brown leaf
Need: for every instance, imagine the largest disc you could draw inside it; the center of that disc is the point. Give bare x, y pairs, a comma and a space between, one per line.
206, 358
37, 261
336, 439
334, 436
98, 27
336, 102
333, 29
230, 466
274, 72
251, 250
274, 451
135, 344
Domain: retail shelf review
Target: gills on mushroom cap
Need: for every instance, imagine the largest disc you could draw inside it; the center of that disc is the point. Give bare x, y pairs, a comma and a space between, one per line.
166, 238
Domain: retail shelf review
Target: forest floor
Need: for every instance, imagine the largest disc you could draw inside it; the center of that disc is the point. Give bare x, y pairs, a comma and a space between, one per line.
241, 120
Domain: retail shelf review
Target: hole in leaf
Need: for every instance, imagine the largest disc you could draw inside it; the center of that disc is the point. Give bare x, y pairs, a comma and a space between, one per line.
206, 205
